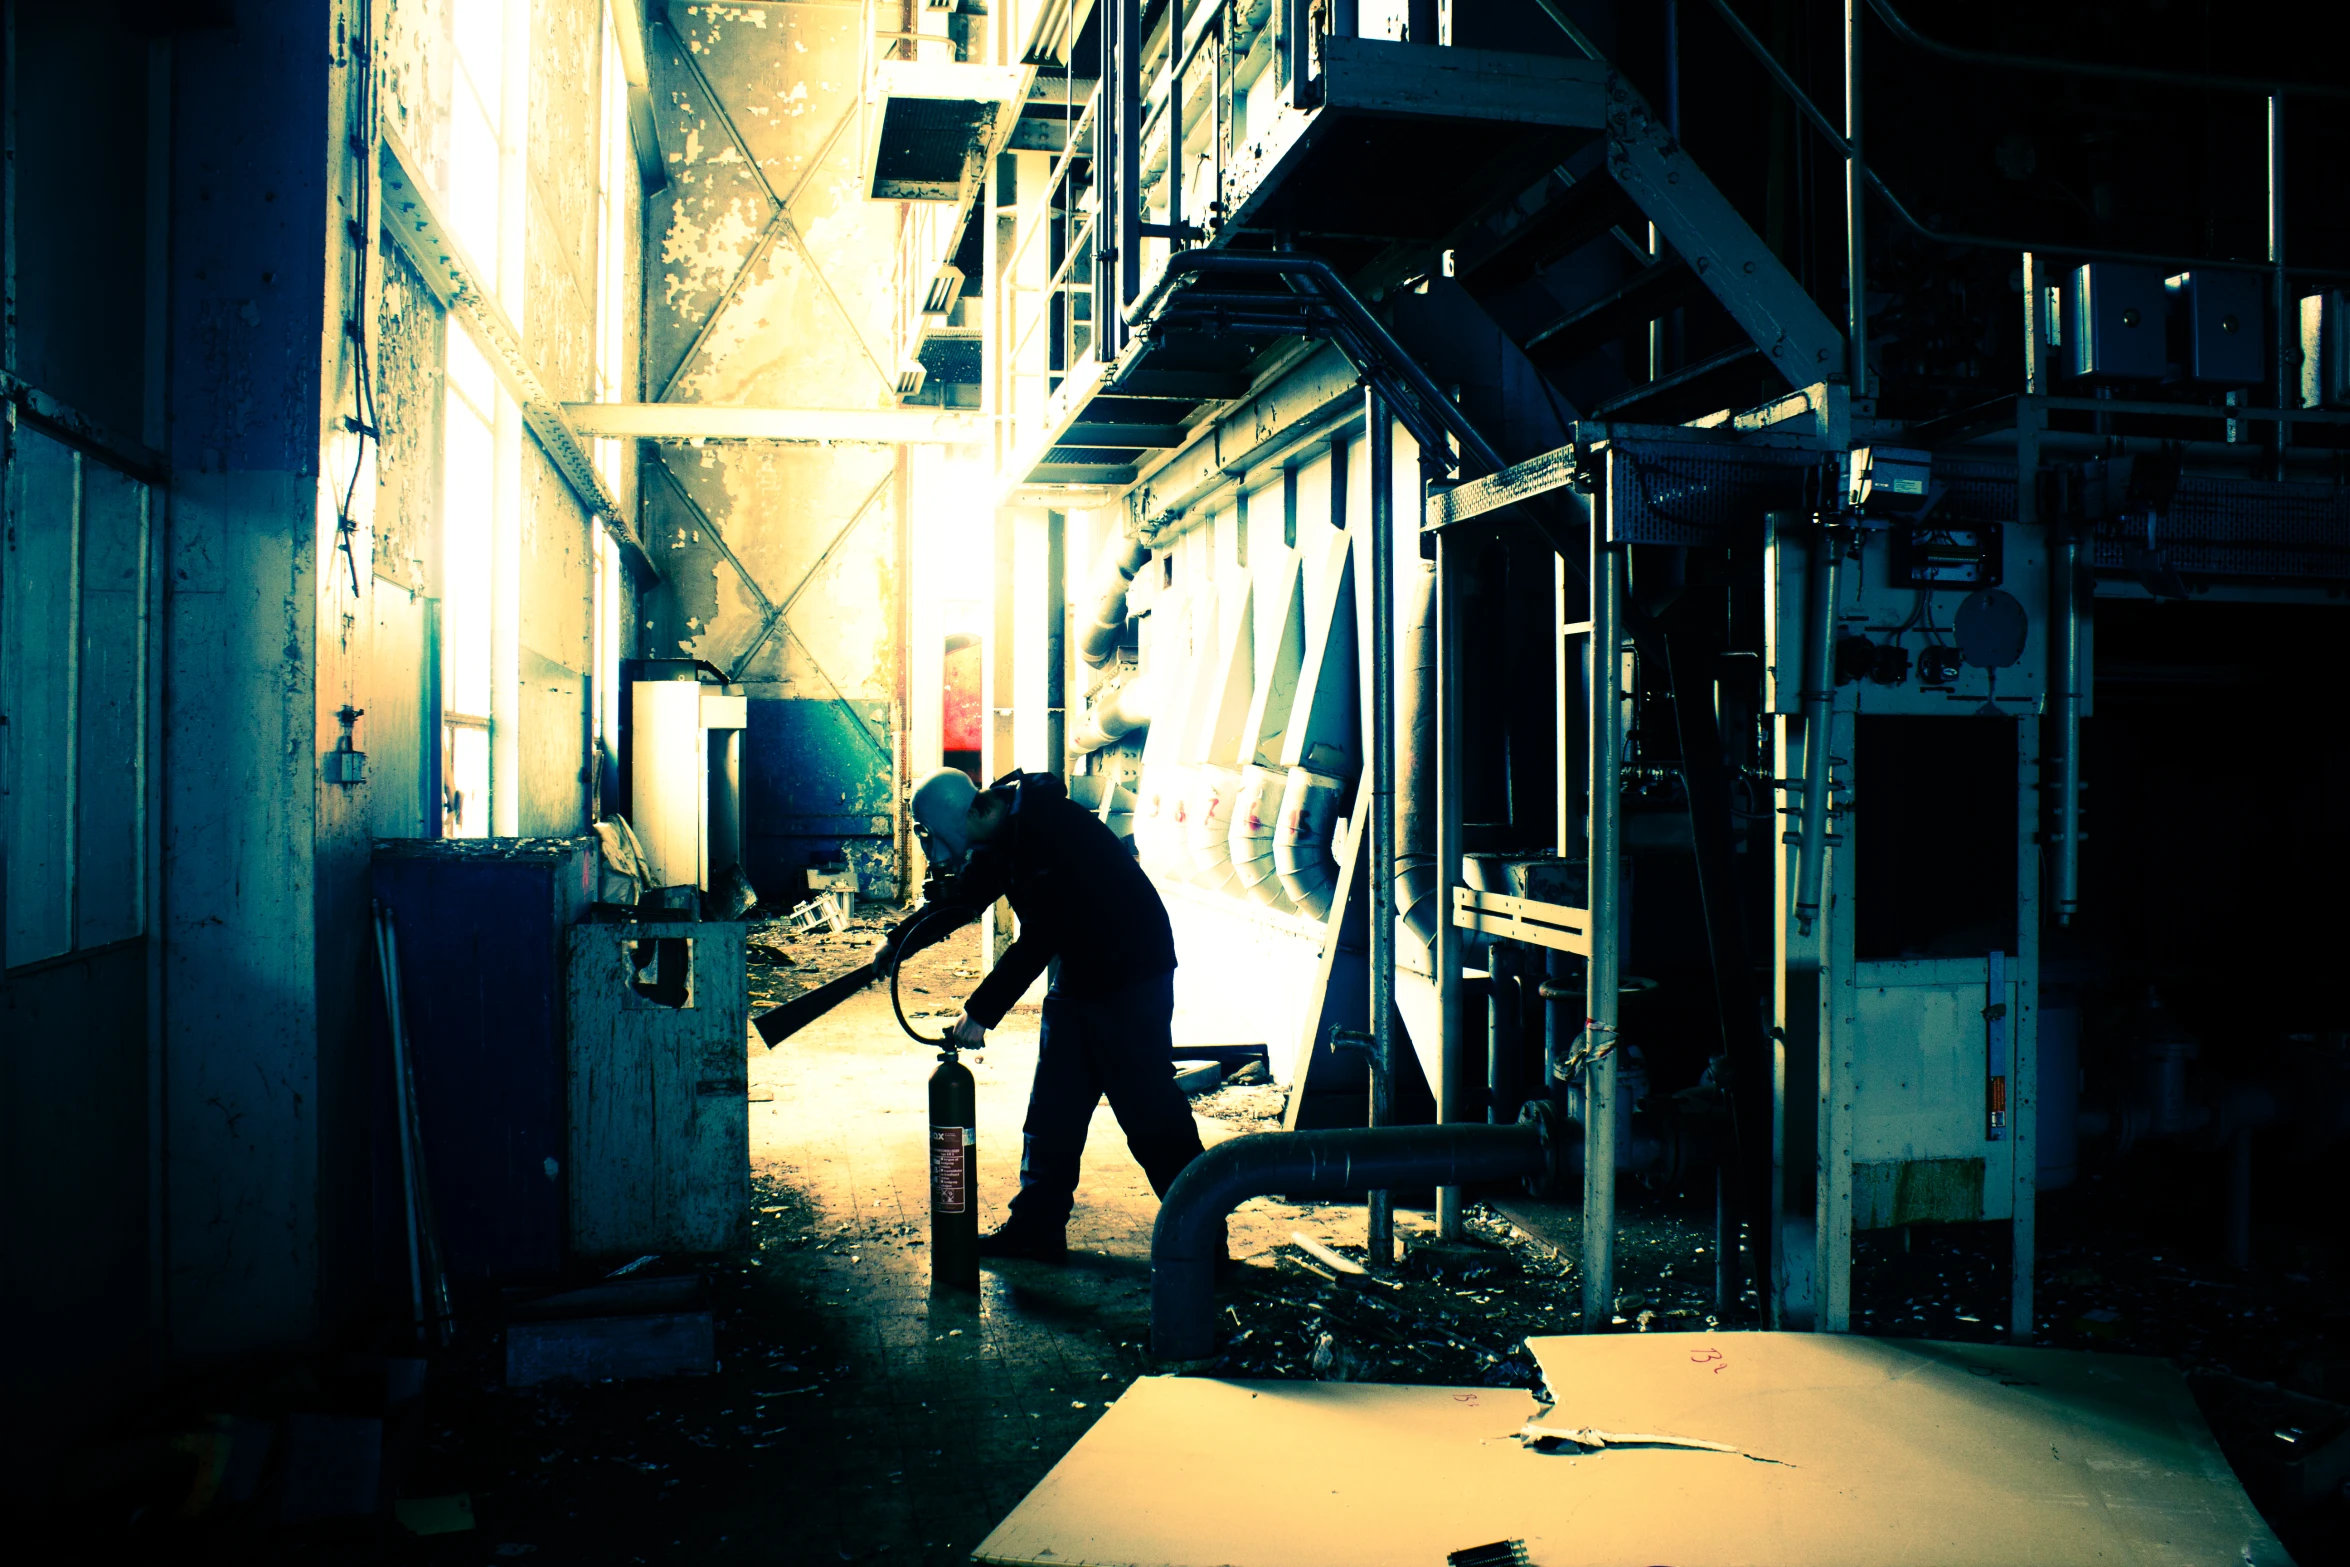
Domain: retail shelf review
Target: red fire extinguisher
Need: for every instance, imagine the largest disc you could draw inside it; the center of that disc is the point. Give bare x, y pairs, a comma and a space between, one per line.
954, 1182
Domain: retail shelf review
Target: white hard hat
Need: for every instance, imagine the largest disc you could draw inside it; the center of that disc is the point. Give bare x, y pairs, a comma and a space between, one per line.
941, 805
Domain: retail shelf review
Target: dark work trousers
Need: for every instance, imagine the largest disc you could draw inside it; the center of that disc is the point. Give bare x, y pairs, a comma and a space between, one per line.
1118, 1044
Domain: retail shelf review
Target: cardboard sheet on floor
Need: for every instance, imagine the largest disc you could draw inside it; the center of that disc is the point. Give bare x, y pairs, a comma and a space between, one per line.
1886, 1451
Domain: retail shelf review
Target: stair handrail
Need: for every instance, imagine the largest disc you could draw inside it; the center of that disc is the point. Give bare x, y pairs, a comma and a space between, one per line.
2151, 75
1821, 123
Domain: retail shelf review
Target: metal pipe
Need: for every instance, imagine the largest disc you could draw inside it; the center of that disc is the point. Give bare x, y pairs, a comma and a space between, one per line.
1856, 281
1418, 881
2281, 363
2065, 610
1188, 1238
1115, 714
1112, 579
2035, 327
1380, 430
1056, 644
1819, 690
1821, 123
2127, 73
1603, 972
1444, 763
1104, 165
1128, 245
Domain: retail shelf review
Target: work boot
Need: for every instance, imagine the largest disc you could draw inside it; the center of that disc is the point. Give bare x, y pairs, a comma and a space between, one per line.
1029, 1244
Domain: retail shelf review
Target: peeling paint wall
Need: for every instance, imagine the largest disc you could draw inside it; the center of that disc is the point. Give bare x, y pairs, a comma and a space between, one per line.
770, 285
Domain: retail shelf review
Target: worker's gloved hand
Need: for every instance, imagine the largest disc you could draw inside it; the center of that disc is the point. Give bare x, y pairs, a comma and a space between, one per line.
968, 1033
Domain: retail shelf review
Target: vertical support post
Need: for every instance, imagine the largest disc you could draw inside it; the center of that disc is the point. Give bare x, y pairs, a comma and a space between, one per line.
1819, 691
2064, 565
1128, 87
902, 682
1174, 118
2023, 1040
1604, 971
1421, 25
1380, 431
2280, 298
1345, 18
1056, 644
1453, 1071
1104, 168
1856, 313
1219, 121
1839, 1021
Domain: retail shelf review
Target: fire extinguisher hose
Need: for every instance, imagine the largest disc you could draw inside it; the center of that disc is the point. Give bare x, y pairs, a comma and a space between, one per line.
897, 1006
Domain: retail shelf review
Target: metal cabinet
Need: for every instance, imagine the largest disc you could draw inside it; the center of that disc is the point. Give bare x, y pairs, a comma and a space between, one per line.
660, 1121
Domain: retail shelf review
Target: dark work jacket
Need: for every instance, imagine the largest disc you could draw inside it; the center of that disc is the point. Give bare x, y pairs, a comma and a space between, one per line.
1079, 894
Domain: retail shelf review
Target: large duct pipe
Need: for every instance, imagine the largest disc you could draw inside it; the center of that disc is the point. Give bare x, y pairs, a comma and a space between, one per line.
1188, 1238
1124, 558
1208, 825
1113, 715
1417, 886
1256, 816
1301, 839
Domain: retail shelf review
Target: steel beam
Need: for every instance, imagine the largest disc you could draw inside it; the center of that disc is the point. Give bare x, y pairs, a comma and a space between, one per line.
838, 426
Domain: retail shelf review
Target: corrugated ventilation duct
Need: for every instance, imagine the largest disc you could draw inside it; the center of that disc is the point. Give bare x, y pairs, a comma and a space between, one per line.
1320, 748
1224, 693
1256, 811
1111, 578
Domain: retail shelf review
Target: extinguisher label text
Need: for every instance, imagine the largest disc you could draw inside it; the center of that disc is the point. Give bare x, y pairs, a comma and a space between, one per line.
950, 1168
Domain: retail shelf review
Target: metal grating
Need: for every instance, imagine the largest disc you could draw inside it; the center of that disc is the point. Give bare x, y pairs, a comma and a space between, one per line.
1682, 493
2237, 528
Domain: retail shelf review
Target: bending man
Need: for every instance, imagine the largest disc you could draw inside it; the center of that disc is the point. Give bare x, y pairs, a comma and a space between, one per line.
1082, 900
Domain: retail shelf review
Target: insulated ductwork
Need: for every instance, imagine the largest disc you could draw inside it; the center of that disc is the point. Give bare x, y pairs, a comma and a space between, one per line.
1123, 559
1320, 747
1116, 712
1256, 813
1256, 806
1208, 824
1417, 886
1302, 840
1181, 626
1219, 716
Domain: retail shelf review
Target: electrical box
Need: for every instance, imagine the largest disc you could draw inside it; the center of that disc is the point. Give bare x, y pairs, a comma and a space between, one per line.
1891, 481
2113, 323
2218, 326
2325, 350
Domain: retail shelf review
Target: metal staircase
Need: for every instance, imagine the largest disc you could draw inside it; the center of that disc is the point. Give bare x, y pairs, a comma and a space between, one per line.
1543, 277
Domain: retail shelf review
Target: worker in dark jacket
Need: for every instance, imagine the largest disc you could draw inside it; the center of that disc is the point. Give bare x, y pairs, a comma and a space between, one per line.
1082, 900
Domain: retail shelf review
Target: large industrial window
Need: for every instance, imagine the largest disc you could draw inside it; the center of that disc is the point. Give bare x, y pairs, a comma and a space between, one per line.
468, 581
485, 142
